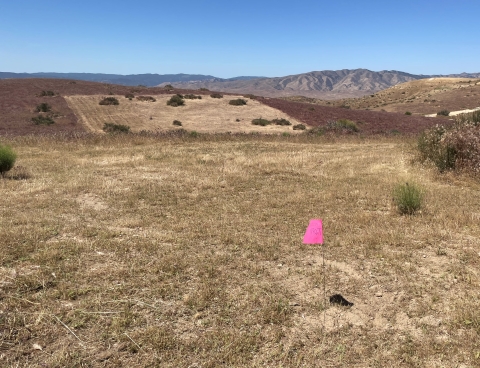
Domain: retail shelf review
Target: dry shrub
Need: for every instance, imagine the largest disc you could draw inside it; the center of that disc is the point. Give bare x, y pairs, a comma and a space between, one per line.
453, 148
109, 101
146, 98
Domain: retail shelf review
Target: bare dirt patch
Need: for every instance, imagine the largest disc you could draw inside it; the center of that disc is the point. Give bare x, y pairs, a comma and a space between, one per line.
206, 115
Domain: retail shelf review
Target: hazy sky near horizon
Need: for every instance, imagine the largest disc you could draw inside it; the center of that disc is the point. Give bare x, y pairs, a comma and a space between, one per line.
233, 38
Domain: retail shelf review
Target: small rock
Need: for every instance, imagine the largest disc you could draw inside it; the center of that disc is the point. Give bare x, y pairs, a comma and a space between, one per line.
424, 256
378, 295
37, 347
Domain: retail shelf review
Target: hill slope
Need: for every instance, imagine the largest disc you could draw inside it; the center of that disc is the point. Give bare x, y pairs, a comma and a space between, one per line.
425, 96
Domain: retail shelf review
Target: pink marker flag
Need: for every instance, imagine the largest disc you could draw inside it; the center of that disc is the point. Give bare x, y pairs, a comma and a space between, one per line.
314, 233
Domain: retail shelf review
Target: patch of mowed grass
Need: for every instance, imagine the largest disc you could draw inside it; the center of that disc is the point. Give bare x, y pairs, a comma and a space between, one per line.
408, 198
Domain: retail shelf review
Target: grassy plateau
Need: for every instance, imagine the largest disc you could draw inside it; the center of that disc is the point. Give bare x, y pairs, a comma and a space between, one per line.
186, 251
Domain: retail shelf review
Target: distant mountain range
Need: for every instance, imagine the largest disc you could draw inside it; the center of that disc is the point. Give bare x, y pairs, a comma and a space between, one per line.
148, 80
327, 84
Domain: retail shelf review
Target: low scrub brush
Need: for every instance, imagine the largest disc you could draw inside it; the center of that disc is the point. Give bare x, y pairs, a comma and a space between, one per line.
146, 98
216, 95
43, 120
176, 100
115, 128
7, 159
261, 122
408, 198
109, 101
238, 102
43, 107
283, 122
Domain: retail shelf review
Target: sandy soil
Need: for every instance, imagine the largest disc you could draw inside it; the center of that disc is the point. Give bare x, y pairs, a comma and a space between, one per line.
205, 115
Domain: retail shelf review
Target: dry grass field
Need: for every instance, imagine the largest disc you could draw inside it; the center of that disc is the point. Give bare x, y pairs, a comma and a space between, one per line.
131, 251
206, 115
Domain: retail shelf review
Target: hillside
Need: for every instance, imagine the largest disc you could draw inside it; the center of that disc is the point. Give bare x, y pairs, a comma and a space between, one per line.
20, 97
421, 97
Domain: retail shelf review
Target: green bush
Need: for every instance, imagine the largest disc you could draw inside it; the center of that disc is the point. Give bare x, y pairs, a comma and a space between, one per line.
408, 198
261, 122
216, 95
299, 127
177, 123
47, 93
408, 113
238, 102
43, 107
443, 113
115, 128
168, 87
282, 121
109, 101
176, 100
7, 159
43, 120
129, 95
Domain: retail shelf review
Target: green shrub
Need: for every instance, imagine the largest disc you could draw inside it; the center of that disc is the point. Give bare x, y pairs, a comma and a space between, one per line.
47, 93
7, 159
238, 102
146, 98
129, 95
109, 101
177, 123
216, 95
192, 97
408, 198
176, 100
282, 121
443, 113
408, 113
299, 127
168, 87
43, 107
43, 120
261, 122
115, 128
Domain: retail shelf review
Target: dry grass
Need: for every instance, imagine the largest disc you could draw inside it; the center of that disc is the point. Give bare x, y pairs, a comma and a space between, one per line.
204, 115
133, 251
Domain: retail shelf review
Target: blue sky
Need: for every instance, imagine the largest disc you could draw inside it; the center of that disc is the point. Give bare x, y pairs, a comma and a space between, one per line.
233, 38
